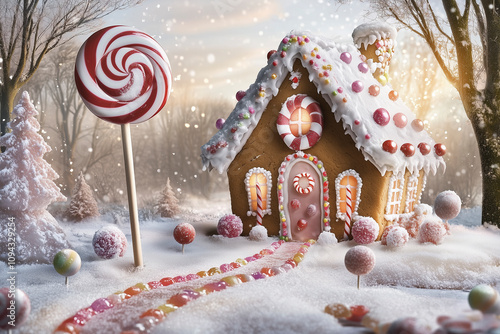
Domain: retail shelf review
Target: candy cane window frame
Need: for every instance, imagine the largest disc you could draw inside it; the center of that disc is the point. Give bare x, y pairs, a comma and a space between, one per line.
394, 197
349, 176
300, 122
251, 177
412, 193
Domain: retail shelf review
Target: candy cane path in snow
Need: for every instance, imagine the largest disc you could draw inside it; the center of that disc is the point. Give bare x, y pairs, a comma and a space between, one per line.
417, 280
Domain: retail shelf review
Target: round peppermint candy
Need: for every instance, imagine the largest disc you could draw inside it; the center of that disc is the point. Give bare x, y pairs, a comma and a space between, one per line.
123, 75
300, 122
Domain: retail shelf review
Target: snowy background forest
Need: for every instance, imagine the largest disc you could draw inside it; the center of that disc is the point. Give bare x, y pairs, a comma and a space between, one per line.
217, 48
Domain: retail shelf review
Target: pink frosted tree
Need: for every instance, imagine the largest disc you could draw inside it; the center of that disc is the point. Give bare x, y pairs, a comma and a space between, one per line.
168, 204
26, 190
83, 204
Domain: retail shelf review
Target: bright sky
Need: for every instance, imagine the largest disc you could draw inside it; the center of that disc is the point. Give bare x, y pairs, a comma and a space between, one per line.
217, 47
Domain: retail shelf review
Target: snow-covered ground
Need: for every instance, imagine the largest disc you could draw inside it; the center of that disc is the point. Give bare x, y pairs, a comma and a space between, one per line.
420, 280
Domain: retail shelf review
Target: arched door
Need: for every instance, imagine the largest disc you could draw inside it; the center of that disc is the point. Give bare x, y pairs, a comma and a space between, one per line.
302, 186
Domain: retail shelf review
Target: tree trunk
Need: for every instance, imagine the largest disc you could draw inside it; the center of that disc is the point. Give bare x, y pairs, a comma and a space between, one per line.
7, 95
488, 140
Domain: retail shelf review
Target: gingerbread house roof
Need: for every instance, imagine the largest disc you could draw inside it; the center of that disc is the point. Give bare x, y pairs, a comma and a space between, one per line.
338, 72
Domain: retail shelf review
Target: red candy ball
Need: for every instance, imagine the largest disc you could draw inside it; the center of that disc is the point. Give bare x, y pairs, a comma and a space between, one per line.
390, 146
301, 224
374, 90
230, 226
240, 94
109, 242
432, 231
393, 95
270, 53
440, 149
184, 233
365, 230
295, 204
359, 260
424, 148
417, 125
400, 120
381, 116
408, 149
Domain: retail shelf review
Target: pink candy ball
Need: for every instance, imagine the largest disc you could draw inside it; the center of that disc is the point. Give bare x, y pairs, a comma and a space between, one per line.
432, 230
109, 242
22, 307
397, 237
381, 116
363, 67
230, 226
400, 120
295, 204
346, 57
184, 233
447, 205
365, 230
357, 86
220, 123
359, 260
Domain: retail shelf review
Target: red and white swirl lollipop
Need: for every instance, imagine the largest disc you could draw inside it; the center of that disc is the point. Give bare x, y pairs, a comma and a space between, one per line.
123, 75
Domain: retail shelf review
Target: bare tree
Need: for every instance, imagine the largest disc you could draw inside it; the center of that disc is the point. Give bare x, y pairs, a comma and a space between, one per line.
29, 29
474, 70
70, 110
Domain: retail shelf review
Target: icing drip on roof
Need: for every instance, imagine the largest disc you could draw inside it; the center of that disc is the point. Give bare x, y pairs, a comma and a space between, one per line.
347, 86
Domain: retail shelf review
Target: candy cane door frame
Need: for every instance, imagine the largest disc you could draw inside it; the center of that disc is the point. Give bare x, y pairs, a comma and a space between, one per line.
302, 200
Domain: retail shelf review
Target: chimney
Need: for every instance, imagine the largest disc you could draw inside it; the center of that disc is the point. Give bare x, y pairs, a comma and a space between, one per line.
376, 42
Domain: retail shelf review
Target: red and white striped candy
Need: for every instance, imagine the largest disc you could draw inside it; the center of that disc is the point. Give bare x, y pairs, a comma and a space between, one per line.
123, 75
259, 204
296, 183
307, 140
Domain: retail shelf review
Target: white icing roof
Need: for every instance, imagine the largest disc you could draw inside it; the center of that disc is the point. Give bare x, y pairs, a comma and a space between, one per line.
333, 77
368, 33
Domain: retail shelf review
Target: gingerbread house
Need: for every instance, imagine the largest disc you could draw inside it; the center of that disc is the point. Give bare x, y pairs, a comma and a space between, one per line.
320, 138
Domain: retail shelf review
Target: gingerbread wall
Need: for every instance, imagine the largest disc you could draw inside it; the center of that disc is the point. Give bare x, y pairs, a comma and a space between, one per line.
265, 148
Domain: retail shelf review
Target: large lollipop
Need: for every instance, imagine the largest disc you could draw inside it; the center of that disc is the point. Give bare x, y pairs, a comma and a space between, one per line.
124, 76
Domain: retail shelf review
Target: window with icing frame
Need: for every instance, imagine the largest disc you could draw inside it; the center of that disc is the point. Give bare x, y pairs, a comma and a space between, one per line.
395, 194
348, 188
262, 177
412, 197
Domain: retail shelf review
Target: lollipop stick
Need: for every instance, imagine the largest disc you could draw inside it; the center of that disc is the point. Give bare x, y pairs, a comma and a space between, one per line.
358, 280
66, 281
132, 198
182, 248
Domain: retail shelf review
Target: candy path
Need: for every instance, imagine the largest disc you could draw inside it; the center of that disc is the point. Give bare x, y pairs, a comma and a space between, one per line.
128, 312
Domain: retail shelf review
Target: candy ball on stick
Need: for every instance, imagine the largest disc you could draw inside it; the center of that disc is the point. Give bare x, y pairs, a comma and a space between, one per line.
485, 299
447, 205
184, 234
359, 260
67, 263
230, 226
18, 312
109, 242
123, 75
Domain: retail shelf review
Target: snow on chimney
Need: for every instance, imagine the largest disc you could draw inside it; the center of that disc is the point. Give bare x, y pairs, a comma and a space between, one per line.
376, 42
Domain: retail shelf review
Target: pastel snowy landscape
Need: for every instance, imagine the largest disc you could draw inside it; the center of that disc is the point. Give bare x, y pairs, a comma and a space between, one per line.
249, 167
419, 280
